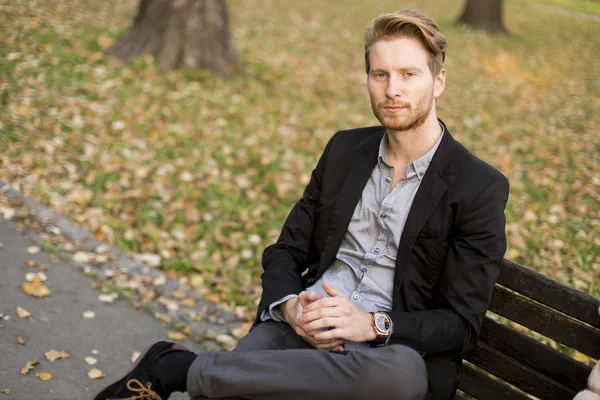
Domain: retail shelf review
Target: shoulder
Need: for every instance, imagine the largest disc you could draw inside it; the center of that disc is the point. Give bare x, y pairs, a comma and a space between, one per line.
468, 169
356, 139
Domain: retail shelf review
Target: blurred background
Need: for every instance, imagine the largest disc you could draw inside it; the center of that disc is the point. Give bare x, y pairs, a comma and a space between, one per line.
193, 170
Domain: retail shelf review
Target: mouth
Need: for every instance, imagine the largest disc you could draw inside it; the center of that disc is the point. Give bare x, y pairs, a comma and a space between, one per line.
393, 109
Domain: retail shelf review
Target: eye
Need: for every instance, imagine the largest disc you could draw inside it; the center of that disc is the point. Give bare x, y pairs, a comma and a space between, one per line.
410, 74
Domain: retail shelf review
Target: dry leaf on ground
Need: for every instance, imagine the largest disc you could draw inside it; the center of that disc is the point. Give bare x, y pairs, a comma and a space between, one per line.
33, 249
108, 298
21, 338
134, 356
95, 373
36, 288
31, 263
45, 376
176, 335
5, 391
90, 361
53, 355
89, 314
1, 245
29, 277
1, 315
23, 313
29, 366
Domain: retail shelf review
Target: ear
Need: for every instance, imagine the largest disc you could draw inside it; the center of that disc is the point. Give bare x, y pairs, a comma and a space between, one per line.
439, 83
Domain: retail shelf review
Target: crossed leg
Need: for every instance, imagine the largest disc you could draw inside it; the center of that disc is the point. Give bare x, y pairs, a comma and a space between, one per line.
273, 363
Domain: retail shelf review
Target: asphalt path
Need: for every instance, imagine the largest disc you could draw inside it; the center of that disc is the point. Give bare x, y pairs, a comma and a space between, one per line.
57, 323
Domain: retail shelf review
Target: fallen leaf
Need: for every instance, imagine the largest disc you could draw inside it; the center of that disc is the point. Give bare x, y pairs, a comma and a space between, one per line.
31, 263
90, 361
1, 315
29, 366
108, 298
36, 288
5, 391
33, 249
1, 245
81, 257
95, 373
23, 313
94, 351
21, 338
45, 376
53, 355
176, 335
134, 356
31, 275
89, 315
160, 280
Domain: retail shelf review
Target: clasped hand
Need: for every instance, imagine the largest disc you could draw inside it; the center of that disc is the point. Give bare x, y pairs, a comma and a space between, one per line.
310, 314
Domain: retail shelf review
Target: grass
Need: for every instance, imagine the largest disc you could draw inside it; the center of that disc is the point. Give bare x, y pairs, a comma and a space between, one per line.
203, 170
591, 7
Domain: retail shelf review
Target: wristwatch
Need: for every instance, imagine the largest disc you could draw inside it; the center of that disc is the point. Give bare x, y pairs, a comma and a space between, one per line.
382, 324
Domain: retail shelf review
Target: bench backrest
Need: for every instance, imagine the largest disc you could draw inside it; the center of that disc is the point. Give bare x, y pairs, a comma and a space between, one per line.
549, 308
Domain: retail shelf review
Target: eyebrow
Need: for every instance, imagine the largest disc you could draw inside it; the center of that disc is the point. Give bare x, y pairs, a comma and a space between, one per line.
403, 69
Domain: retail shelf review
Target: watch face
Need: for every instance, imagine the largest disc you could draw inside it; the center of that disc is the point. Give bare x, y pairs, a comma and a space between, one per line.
381, 323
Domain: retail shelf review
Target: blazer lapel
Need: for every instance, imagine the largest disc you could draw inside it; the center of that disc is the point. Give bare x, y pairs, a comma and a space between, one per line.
356, 179
428, 195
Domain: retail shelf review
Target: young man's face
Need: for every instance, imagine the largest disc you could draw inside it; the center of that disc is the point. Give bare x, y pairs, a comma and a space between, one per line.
401, 86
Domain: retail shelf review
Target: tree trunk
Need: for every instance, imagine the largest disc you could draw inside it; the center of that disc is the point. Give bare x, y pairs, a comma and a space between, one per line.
484, 14
181, 34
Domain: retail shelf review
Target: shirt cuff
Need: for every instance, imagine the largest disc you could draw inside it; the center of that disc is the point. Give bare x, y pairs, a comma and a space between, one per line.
273, 312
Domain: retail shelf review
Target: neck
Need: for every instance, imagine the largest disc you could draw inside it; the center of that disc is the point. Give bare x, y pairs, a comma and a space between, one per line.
407, 146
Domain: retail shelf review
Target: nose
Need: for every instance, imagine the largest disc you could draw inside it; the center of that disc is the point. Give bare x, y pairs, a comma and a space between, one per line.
394, 88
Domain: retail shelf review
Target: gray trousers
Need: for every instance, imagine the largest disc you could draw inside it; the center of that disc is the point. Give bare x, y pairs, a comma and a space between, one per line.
273, 363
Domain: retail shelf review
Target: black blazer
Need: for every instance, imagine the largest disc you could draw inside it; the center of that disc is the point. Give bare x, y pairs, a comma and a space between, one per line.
448, 257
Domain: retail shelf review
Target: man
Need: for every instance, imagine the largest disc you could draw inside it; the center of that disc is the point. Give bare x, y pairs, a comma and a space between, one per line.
388, 262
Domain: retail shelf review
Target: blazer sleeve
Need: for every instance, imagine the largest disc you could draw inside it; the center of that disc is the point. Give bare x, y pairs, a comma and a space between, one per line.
284, 261
465, 287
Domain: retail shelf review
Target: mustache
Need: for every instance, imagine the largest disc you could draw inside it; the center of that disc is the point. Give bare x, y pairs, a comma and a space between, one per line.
392, 104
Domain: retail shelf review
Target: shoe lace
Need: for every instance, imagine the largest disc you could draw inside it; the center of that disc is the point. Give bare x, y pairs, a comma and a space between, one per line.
143, 392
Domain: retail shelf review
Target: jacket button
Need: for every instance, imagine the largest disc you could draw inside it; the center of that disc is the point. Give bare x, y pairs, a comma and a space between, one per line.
310, 281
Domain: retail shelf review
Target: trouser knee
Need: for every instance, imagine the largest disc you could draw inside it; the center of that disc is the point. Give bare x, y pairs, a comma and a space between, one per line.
399, 374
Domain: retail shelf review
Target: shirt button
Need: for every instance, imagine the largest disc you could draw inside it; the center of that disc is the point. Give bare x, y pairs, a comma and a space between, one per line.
376, 249
420, 173
388, 179
355, 296
383, 216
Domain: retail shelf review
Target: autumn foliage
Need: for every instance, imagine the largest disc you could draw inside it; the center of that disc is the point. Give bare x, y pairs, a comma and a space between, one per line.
195, 174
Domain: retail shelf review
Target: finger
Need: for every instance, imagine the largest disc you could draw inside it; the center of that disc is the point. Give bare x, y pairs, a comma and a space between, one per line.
332, 291
309, 316
326, 302
338, 349
308, 297
329, 345
330, 334
325, 322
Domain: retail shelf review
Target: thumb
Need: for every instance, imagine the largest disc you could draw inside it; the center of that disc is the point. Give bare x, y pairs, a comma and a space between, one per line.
331, 291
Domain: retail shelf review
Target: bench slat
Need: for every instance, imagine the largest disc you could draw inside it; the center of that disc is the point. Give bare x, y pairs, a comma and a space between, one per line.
568, 300
459, 397
517, 374
546, 321
534, 354
479, 385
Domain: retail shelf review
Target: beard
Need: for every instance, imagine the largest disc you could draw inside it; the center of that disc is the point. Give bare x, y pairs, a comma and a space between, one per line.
412, 117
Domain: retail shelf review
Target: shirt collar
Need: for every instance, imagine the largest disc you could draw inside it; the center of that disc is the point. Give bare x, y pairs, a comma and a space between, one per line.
417, 167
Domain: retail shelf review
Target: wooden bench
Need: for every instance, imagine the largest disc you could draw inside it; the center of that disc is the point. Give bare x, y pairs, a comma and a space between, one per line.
549, 308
